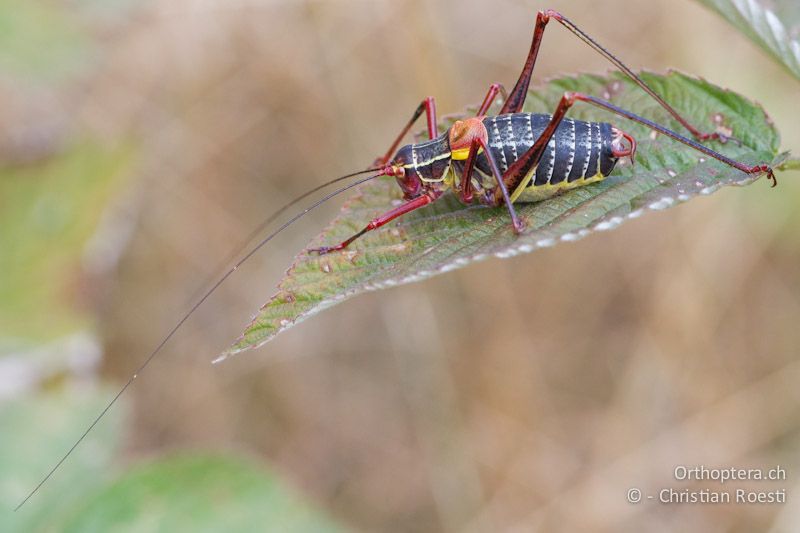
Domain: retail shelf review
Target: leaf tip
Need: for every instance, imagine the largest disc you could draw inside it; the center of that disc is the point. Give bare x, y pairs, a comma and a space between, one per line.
221, 357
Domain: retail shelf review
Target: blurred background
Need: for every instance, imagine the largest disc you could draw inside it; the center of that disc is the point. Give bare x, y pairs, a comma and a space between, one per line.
141, 141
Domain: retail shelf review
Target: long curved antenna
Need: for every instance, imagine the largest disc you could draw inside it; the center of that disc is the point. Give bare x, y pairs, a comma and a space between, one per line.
220, 268
194, 308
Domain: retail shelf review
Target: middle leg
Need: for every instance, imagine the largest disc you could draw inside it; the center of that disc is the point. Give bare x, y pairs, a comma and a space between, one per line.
494, 89
428, 106
502, 196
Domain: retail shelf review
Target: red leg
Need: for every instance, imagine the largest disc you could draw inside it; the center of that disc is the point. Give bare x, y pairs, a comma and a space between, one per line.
429, 107
517, 172
517, 97
747, 169
416, 203
466, 181
465, 190
518, 226
490, 96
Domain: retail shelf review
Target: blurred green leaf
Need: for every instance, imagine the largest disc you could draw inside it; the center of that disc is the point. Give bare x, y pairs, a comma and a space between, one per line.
196, 494
35, 433
40, 39
47, 213
446, 235
773, 25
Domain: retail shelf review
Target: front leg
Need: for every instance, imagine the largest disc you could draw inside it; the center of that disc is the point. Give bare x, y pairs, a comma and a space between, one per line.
416, 203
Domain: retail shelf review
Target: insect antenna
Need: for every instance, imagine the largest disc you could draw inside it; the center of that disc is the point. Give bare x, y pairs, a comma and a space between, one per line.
206, 295
236, 252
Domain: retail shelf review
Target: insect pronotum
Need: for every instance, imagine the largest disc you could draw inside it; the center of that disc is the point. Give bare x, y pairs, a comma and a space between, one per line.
494, 160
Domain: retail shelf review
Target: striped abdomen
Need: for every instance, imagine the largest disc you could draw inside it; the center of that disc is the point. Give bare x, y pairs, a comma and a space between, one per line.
578, 153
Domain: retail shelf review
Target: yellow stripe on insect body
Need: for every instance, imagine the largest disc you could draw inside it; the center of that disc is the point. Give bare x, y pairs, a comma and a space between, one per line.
537, 193
417, 164
462, 153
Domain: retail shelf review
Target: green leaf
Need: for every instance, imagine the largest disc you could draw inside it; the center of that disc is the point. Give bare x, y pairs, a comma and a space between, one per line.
447, 235
197, 493
773, 25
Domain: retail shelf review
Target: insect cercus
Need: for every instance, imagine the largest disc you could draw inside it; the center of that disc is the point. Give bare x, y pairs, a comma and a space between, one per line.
495, 160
